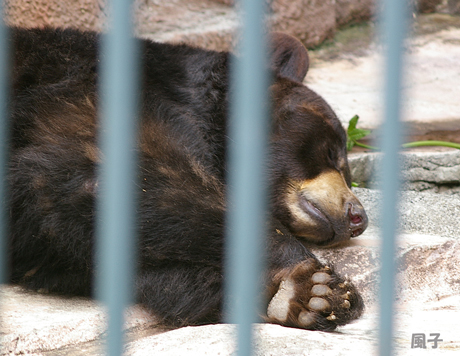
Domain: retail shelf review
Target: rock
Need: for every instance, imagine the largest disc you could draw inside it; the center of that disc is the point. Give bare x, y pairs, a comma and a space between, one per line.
33, 322
454, 7
420, 213
82, 14
358, 338
202, 23
310, 21
420, 171
269, 340
426, 6
347, 11
206, 23
213, 24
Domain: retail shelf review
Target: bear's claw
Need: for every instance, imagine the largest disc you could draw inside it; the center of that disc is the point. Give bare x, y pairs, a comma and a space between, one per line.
314, 297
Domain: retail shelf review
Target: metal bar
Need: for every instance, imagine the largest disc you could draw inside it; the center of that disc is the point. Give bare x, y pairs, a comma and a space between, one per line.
393, 31
248, 131
116, 206
4, 139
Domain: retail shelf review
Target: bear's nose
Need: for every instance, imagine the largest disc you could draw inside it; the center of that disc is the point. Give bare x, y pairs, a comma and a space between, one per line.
357, 219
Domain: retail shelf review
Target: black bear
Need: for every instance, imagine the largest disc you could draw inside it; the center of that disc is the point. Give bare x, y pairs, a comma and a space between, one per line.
182, 177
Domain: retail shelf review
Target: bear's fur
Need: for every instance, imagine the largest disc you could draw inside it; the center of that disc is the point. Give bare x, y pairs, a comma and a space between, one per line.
182, 172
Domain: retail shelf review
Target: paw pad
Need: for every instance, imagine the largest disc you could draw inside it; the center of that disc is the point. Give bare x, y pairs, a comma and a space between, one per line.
320, 278
320, 290
319, 304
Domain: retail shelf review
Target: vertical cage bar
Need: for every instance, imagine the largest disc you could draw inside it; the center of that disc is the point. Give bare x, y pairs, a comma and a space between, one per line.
116, 206
4, 139
393, 30
247, 193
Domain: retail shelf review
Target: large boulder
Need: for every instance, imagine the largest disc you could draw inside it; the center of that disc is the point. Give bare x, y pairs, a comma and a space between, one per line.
207, 23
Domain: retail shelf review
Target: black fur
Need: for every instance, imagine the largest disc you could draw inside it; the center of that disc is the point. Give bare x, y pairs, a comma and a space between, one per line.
182, 170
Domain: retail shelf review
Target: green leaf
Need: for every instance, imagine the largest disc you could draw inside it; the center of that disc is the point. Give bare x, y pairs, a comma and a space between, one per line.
353, 133
350, 144
352, 123
358, 134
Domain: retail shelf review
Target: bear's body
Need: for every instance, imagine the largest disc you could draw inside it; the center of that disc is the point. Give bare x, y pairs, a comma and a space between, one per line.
182, 140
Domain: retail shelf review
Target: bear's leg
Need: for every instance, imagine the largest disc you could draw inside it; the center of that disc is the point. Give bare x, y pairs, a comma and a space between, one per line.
304, 293
51, 218
52, 278
182, 294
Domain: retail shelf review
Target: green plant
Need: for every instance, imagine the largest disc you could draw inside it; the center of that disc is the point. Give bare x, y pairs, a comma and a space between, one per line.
354, 134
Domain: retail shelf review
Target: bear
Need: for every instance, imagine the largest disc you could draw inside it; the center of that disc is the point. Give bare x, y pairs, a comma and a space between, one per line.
181, 148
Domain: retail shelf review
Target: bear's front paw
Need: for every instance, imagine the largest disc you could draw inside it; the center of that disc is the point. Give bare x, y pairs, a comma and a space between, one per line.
314, 297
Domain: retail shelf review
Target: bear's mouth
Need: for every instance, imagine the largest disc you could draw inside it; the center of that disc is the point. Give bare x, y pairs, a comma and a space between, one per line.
313, 211
325, 231
322, 230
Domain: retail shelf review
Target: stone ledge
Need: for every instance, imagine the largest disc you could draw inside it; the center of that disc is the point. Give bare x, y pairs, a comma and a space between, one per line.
420, 171
420, 213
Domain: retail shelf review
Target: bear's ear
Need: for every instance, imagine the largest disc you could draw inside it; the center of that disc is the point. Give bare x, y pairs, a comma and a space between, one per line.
289, 57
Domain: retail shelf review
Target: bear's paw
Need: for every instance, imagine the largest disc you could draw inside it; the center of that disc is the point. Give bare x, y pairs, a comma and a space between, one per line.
314, 297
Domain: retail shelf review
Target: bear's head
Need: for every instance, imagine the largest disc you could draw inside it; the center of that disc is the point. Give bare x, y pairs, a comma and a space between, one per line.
310, 176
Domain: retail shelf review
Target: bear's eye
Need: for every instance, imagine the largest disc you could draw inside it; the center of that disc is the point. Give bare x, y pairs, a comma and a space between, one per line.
332, 156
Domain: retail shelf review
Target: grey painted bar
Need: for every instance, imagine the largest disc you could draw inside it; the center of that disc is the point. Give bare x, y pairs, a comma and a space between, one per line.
4, 139
392, 30
116, 206
247, 183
